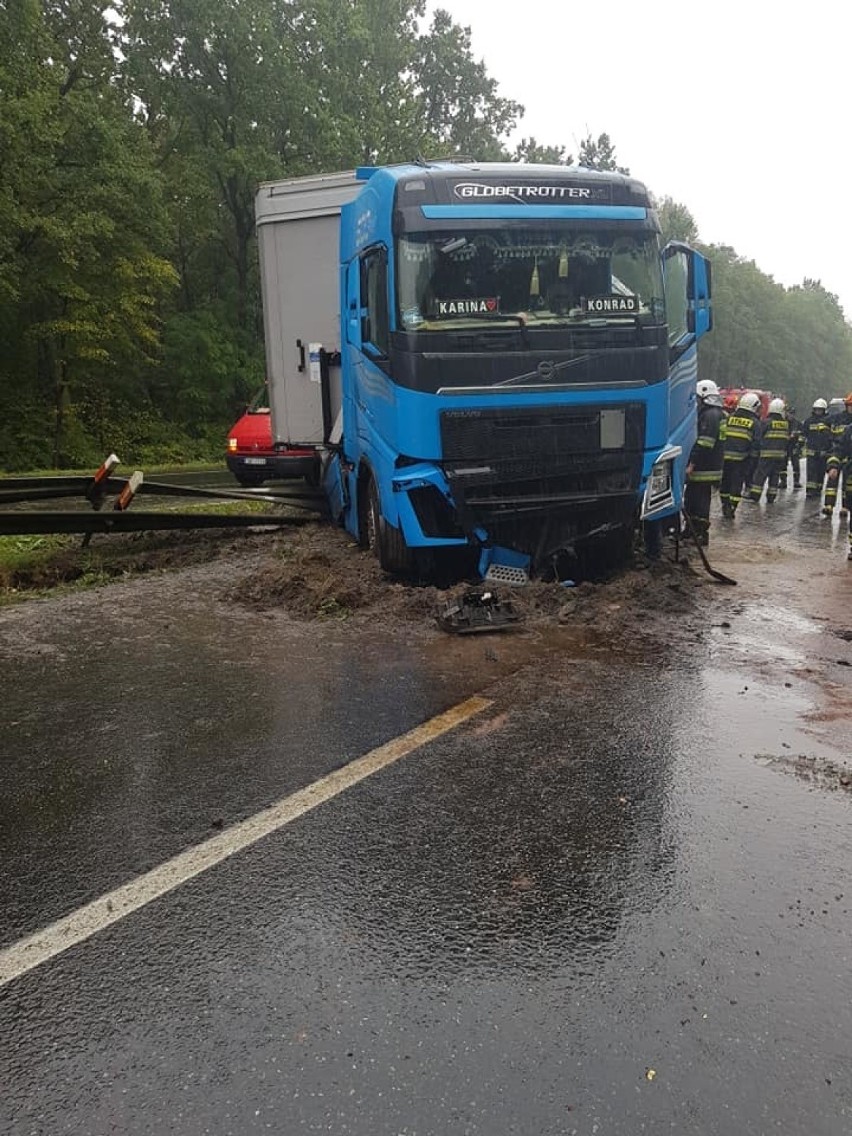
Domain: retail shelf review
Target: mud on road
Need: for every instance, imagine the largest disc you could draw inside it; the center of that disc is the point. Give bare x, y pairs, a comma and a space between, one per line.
316, 574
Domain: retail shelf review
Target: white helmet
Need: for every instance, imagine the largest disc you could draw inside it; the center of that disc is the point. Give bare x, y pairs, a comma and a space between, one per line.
836, 404
750, 401
820, 404
776, 406
705, 387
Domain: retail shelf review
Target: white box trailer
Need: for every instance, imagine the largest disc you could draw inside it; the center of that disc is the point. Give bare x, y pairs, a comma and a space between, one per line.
298, 236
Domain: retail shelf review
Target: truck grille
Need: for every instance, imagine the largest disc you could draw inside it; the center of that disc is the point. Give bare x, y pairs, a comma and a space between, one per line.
580, 463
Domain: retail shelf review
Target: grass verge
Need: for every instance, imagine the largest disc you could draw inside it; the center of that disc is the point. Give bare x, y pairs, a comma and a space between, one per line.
39, 565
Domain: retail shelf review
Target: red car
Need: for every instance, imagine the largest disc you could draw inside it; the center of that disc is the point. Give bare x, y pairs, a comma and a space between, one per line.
252, 458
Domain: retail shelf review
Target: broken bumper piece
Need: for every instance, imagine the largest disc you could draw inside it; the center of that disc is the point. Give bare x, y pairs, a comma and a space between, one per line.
477, 611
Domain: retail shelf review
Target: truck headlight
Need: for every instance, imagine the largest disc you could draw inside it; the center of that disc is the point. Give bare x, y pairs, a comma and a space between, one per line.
659, 492
660, 481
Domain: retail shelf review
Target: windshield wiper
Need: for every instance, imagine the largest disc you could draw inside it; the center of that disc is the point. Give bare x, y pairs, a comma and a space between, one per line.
503, 317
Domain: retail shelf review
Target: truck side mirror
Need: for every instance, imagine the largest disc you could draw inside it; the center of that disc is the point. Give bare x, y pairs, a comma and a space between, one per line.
700, 304
688, 304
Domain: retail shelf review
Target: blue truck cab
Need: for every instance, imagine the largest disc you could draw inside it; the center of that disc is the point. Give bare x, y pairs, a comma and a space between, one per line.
514, 368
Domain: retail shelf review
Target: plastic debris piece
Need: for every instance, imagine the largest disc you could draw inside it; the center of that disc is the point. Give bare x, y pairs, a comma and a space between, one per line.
478, 611
650, 1074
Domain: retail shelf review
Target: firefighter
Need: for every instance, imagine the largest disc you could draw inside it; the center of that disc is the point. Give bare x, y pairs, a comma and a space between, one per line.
704, 468
839, 419
836, 407
750, 464
817, 435
840, 461
774, 434
741, 431
794, 451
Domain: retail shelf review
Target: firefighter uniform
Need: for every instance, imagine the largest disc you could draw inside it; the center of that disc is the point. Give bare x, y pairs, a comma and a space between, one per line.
704, 468
794, 453
774, 438
841, 460
817, 434
740, 448
834, 486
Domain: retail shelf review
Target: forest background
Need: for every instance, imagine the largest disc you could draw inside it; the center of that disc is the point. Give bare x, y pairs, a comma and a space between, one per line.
132, 140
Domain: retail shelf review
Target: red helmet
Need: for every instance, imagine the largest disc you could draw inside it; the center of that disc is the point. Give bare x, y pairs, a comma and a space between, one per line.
848, 399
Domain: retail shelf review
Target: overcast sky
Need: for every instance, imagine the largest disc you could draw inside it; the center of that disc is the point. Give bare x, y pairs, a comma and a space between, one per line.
739, 110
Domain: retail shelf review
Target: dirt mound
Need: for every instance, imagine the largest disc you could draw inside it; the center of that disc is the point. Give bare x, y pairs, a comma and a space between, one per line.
318, 572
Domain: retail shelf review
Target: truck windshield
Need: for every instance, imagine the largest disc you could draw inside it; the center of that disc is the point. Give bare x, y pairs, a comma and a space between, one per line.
546, 276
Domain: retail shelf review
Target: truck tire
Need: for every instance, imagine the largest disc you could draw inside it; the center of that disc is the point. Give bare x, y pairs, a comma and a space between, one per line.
385, 542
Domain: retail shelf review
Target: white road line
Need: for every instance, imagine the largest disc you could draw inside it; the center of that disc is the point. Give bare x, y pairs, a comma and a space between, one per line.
80, 925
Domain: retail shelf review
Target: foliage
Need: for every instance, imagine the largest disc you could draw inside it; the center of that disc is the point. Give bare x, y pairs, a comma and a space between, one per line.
530, 151
792, 341
457, 102
599, 154
132, 140
82, 274
676, 222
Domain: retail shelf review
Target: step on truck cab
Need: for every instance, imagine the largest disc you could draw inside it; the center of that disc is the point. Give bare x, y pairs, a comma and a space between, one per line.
496, 358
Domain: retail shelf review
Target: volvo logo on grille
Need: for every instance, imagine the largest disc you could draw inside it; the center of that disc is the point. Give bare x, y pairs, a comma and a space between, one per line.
546, 370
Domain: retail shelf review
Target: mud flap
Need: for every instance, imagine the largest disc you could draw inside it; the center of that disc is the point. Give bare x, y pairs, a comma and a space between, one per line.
335, 487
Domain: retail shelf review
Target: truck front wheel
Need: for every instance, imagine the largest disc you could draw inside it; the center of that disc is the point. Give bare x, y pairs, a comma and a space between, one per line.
385, 542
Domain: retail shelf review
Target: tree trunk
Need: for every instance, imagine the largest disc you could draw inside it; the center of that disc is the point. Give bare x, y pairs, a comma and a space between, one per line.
60, 408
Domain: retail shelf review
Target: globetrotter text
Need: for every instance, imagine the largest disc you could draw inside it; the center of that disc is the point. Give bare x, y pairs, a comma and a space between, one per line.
478, 189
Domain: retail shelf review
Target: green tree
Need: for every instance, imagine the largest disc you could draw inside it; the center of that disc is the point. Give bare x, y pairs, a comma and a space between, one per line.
458, 103
212, 83
530, 151
794, 342
676, 222
599, 154
82, 275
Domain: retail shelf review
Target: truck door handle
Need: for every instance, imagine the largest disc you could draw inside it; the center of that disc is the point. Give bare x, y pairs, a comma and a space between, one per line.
301, 348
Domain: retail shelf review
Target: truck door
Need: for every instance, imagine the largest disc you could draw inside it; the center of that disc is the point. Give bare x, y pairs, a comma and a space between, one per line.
375, 319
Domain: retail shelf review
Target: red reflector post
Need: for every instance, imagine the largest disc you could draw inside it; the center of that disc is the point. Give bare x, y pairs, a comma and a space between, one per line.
127, 494
96, 488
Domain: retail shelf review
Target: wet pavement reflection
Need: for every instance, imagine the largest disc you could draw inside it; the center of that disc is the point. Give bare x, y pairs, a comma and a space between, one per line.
599, 907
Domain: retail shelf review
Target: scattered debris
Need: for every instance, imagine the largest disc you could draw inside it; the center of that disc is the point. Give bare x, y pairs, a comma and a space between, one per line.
477, 610
817, 771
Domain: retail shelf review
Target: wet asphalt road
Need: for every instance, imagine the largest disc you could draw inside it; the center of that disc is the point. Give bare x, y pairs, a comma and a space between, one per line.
601, 906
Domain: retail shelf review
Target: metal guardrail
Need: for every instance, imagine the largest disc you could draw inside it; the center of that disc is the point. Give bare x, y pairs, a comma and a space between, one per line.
104, 516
